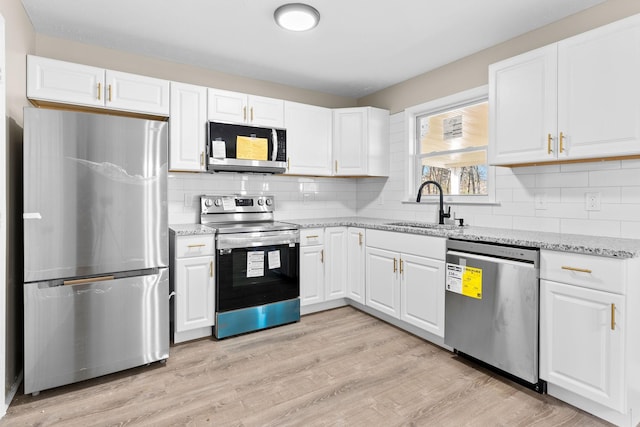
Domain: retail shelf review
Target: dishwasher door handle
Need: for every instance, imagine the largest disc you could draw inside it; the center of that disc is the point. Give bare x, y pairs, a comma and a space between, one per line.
491, 259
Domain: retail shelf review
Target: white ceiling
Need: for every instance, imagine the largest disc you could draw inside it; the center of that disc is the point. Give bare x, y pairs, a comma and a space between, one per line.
359, 47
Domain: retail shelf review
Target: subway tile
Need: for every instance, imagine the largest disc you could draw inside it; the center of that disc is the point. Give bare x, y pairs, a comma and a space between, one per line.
590, 166
551, 225
569, 179
620, 177
590, 227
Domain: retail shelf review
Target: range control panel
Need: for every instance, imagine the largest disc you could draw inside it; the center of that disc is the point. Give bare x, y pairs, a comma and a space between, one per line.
235, 204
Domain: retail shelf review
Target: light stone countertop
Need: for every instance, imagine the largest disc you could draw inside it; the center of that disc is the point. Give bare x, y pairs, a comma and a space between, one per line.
577, 243
191, 229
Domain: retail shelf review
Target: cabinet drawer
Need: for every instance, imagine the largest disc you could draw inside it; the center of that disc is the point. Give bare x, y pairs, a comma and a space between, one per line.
416, 244
190, 246
312, 236
594, 272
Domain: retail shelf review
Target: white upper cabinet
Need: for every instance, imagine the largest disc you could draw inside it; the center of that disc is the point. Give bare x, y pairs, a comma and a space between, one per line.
573, 100
236, 107
308, 139
187, 127
360, 141
523, 107
53, 81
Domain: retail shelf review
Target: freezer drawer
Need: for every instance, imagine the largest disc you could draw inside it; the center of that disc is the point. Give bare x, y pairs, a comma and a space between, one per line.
82, 331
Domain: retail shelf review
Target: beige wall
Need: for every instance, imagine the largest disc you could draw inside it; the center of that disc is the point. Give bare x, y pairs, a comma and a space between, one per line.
122, 61
472, 72
20, 40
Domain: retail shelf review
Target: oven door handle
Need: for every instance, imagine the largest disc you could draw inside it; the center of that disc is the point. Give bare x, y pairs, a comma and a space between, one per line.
252, 240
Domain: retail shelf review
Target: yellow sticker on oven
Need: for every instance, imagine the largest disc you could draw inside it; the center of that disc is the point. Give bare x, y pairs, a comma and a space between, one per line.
464, 280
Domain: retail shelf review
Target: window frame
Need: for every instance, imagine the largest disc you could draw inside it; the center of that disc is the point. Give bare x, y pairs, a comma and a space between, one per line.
437, 106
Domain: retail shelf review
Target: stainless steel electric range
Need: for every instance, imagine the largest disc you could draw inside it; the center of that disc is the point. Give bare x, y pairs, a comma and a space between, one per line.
257, 264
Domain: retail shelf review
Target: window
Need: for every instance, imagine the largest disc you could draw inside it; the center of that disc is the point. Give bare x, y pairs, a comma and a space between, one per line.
449, 140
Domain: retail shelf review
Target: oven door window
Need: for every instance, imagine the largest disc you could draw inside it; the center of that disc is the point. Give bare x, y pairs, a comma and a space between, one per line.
249, 277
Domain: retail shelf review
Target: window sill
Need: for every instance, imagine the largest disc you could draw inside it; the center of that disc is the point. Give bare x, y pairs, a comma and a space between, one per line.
452, 202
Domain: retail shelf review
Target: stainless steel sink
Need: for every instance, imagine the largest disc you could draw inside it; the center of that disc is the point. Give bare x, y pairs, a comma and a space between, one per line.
426, 225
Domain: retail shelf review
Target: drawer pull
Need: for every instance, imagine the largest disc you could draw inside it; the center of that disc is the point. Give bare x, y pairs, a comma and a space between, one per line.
322, 256
312, 237
395, 265
549, 139
401, 266
579, 270
198, 245
210, 268
87, 280
360, 238
613, 317
99, 91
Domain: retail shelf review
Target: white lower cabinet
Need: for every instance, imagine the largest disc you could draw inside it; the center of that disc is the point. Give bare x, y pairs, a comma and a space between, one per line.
589, 341
323, 265
405, 278
192, 277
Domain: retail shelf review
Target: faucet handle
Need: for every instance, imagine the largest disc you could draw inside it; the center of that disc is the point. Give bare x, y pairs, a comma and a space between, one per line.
448, 214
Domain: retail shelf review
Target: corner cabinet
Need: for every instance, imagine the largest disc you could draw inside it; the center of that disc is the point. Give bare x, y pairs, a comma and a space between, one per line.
308, 139
573, 100
192, 278
51, 81
405, 278
589, 344
236, 107
187, 128
360, 142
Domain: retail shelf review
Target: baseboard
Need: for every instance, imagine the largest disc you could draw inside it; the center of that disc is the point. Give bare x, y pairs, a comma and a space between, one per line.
13, 390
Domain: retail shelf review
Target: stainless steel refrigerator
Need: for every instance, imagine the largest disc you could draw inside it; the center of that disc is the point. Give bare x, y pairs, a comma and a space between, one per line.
96, 291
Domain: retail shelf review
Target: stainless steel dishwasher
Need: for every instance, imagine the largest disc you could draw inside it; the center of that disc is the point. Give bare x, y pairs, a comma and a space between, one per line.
492, 307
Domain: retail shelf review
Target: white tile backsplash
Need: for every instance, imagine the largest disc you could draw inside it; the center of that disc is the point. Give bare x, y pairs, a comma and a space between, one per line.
563, 186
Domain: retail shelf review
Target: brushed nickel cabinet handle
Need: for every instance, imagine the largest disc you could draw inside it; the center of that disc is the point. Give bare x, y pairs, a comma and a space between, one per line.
202, 158
579, 270
87, 280
336, 166
251, 114
244, 114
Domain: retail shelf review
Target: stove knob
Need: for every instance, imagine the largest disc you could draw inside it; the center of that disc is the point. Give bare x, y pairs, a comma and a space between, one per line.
208, 202
260, 202
218, 202
269, 202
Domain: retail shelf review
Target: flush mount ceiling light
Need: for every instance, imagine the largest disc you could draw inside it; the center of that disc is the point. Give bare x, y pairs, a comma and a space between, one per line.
296, 17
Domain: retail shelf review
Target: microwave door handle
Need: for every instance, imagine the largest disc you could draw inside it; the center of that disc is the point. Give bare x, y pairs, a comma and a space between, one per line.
274, 136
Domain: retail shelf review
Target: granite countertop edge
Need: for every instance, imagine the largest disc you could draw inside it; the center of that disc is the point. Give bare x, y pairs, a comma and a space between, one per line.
576, 243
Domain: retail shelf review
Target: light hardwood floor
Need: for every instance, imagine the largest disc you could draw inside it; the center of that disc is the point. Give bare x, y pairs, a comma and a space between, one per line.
336, 368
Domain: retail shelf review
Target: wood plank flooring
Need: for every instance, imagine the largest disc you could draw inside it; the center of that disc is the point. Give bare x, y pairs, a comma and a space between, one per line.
336, 368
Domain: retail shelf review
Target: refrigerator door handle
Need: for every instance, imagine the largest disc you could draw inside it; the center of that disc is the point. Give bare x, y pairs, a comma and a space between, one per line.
87, 280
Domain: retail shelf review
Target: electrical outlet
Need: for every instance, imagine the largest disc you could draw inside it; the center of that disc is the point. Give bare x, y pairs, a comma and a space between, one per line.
592, 201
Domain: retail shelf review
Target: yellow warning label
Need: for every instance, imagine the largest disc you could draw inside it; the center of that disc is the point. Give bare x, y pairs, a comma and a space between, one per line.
472, 282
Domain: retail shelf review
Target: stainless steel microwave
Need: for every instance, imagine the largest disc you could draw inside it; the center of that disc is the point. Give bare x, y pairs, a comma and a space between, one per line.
242, 148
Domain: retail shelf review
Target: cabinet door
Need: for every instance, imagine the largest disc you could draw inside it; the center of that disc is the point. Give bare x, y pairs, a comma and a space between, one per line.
382, 287
523, 108
311, 274
350, 141
308, 139
132, 92
598, 91
335, 281
195, 293
188, 127
356, 264
422, 293
65, 82
227, 106
263, 111
582, 342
